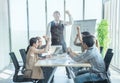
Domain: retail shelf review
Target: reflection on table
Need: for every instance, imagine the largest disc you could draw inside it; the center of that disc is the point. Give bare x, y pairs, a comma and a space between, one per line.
60, 60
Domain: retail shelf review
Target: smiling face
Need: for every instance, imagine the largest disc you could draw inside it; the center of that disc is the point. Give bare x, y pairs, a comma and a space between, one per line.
56, 16
40, 42
37, 44
34, 42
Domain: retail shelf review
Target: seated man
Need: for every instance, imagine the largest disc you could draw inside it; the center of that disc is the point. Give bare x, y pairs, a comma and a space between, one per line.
79, 37
92, 56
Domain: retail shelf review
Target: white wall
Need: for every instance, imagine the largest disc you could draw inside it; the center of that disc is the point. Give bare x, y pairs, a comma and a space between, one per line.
4, 35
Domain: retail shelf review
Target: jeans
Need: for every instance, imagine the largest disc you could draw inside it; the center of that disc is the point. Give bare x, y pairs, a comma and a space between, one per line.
87, 77
61, 42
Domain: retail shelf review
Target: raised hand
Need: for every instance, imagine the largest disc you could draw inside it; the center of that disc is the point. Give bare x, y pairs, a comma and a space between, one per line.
67, 12
78, 30
46, 38
69, 50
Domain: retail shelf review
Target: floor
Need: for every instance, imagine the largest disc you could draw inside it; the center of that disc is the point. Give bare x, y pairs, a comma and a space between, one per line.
60, 75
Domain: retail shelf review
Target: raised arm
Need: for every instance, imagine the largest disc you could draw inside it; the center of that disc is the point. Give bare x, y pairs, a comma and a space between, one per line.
70, 19
78, 36
47, 39
48, 33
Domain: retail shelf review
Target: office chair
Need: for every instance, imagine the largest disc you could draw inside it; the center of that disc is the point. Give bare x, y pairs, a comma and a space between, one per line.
17, 77
23, 55
101, 49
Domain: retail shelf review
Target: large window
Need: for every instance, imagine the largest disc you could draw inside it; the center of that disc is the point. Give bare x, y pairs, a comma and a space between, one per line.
18, 25
112, 14
93, 9
76, 11
37, 21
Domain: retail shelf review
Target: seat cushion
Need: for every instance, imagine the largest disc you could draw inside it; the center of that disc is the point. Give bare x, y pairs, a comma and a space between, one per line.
20, 78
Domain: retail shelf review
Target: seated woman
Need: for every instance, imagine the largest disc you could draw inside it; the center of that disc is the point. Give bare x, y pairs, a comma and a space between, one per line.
41, 46
47, 71
32, 57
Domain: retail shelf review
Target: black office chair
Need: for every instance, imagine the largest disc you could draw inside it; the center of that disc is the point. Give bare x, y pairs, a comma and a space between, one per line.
17, 77
108, 51
23, 55
101, 49
107, 60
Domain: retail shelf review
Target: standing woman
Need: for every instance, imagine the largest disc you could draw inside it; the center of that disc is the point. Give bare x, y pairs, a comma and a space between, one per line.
32, 57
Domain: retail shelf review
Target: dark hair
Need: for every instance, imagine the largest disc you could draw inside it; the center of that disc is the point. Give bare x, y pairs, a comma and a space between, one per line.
89, 40
38, 37
86, 33
56, 12
31, 42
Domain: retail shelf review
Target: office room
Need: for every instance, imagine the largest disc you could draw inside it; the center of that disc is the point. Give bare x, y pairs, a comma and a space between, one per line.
22, 21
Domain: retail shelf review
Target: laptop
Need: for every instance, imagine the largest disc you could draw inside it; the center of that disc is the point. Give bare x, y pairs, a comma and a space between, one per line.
55, 49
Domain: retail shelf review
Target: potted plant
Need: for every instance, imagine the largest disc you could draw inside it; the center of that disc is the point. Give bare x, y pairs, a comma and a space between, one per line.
103, 35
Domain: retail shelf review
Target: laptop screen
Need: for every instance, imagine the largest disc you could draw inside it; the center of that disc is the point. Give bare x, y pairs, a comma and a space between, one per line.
55, 49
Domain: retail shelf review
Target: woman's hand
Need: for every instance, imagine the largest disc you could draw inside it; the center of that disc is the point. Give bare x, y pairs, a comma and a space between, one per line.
45, 37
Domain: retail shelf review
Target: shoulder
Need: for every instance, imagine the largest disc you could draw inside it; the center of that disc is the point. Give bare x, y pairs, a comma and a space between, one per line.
32, 49
61, 22
50, 23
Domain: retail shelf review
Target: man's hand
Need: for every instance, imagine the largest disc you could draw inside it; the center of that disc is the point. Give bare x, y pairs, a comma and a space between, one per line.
78, 27
67, 12
69, 50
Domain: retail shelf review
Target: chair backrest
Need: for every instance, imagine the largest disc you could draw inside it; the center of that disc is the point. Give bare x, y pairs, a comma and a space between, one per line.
109, 50
23, 55
15, 61
101, 49
108, 58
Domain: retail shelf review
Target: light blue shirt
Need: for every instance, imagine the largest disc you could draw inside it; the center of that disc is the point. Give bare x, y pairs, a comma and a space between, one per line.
92, 56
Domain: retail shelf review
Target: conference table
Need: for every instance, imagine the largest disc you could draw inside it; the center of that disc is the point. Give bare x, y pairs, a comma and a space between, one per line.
60, 60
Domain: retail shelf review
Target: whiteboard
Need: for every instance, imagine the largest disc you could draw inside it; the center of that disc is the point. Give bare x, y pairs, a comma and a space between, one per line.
85, 25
